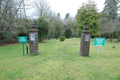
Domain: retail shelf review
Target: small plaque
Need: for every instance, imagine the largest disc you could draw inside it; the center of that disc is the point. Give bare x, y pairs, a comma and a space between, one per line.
32, 37
86, 38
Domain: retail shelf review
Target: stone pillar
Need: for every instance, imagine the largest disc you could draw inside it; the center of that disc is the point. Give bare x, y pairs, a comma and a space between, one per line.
118, 35
33, 41
85, 43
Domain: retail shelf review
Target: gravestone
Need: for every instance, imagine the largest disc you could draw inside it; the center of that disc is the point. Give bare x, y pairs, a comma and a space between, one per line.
33, 40
85, 42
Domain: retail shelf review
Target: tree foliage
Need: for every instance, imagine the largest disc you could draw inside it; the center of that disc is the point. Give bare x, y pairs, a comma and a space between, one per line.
42, 26
51, 27
110, 10
11, 17
44, 12
88, 15
23, 26
68, 33
57, 27
42, 8
67, 16
58, 14
109, 24
70, 23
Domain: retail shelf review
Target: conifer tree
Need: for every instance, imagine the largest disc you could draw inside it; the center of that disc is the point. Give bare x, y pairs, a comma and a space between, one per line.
110, 10
109, 20
88, 15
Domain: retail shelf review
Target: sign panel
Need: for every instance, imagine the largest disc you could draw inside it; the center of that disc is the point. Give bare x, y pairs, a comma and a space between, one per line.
86, 38
99, 41
32, 37
22, 39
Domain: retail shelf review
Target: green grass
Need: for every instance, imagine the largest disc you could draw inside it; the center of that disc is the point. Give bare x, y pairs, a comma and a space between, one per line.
60, 61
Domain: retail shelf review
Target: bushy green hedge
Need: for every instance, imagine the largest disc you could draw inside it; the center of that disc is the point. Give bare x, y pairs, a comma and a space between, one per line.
62, 38
68, 33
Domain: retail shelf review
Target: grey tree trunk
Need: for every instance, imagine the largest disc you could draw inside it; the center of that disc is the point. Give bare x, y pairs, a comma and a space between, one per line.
118, 35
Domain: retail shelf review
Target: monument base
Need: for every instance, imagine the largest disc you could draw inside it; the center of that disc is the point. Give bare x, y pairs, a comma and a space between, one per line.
82, 55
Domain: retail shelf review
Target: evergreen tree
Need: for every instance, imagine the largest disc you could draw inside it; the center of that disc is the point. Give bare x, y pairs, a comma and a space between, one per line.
68, 33
109, 20
67, 15
42, 26
58, 15
88, 15
110, 10
70, 23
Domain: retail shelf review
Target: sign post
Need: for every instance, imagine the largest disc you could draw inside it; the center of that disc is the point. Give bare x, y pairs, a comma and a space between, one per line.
99, 42
98, 51
23, 47
22, 39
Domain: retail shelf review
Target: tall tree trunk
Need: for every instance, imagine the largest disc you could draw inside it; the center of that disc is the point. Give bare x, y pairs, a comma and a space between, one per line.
118, 35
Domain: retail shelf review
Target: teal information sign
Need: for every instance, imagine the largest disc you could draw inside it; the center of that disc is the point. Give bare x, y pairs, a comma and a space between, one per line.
22, 39
99, 41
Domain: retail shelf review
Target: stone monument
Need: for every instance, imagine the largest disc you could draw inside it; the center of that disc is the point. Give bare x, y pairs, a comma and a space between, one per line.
85, 41
33, 40
118, 35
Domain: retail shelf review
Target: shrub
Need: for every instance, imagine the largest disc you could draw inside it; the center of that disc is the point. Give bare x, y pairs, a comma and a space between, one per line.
62, 38
68, 33
98, 34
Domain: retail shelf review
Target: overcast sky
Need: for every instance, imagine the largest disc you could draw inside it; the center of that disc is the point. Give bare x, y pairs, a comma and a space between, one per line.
71, 6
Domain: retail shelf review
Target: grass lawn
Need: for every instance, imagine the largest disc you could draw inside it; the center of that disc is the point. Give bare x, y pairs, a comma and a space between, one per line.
60, 61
